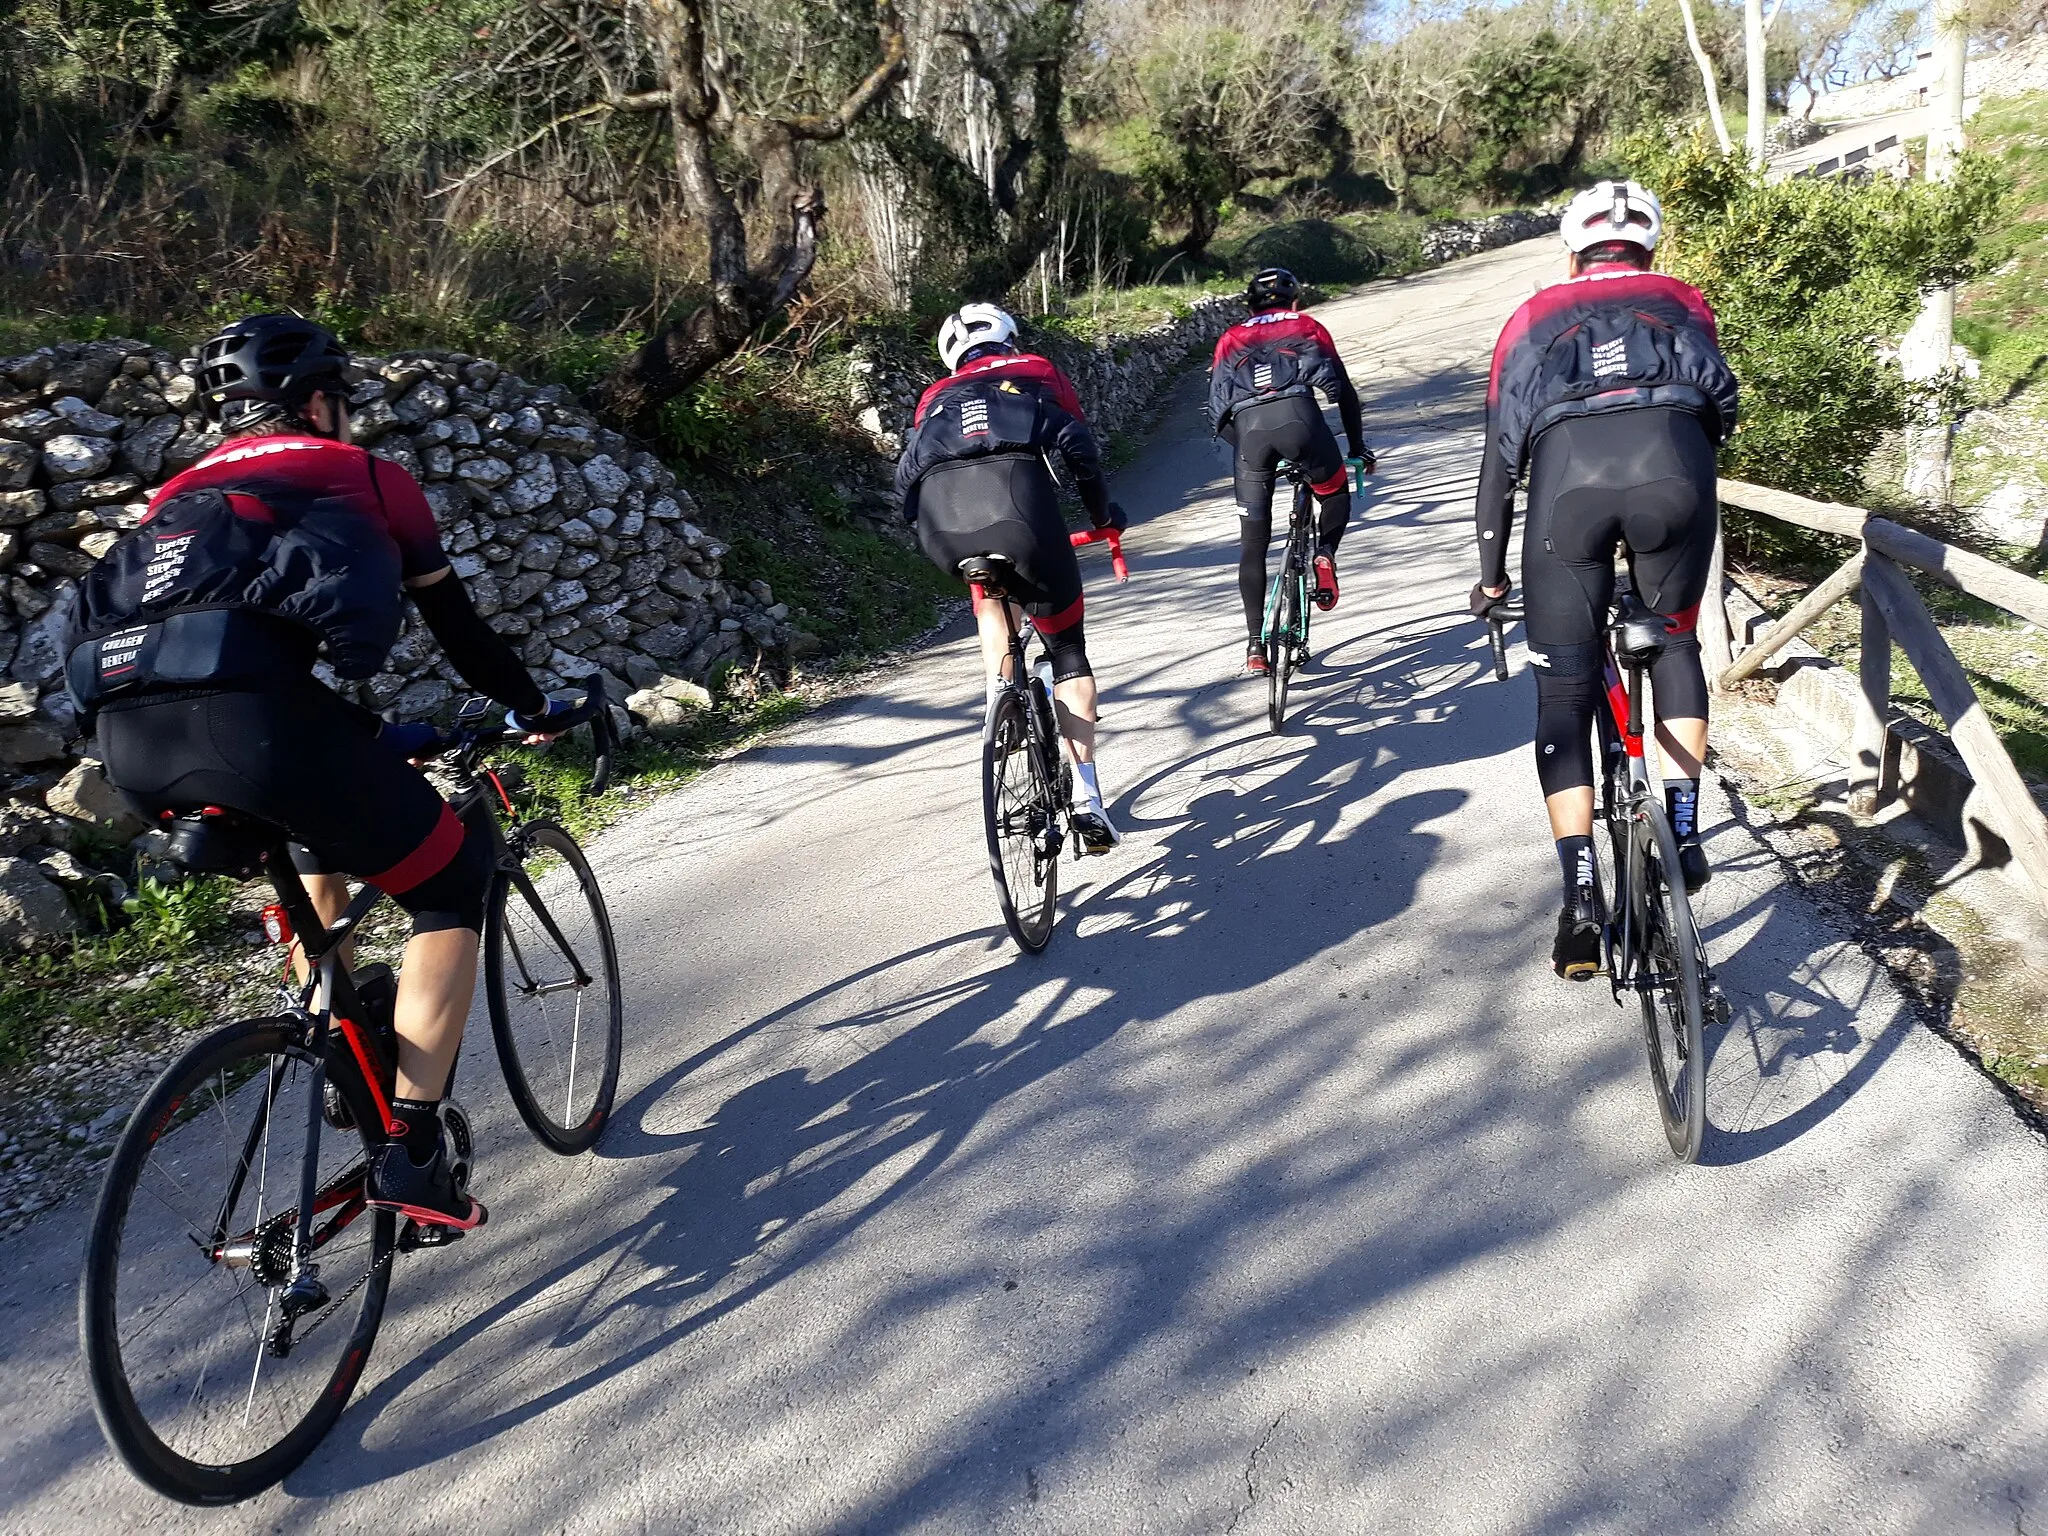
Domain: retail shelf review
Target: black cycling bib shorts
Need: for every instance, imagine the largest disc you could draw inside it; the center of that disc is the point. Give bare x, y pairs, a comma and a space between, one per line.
1007, 504
297, 756
1640, 483
1263, 433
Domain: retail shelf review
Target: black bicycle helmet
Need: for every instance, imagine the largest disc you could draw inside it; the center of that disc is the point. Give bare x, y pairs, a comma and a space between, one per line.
266, 367
1272, 288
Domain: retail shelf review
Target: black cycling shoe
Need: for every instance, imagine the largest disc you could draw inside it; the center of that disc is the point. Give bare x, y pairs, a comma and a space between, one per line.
430, 1195
1094, 831
1693, 866
1581, 928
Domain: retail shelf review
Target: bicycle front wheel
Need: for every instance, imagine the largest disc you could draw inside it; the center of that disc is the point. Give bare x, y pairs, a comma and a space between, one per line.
551, 980
205, 1387
1017, 812
1670, 980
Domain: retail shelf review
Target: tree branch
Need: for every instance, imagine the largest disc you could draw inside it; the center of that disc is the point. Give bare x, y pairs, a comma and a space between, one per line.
638, 101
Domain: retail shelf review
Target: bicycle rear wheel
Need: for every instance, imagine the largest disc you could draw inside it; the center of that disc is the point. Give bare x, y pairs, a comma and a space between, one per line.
202, 1386
1283, 649
1670, 972
1017, 811
551, 973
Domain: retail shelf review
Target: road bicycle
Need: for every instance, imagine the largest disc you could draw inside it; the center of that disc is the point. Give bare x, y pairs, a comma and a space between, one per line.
1027, 786
1283, 635
235, 1273
1652, 946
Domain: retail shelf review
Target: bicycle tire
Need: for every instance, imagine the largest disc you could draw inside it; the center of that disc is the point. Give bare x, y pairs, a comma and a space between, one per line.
1016, 799
539, 1064
1674, 1000
1282, 651
136, 1439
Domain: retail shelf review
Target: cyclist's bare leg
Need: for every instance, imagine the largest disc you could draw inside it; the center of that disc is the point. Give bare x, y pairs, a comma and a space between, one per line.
330, 897
1075, 699
995, 636
436, 984
1684, 743
1571, 812
434, 992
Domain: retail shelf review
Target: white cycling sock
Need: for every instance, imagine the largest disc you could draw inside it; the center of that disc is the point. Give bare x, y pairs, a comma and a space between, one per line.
1085, 772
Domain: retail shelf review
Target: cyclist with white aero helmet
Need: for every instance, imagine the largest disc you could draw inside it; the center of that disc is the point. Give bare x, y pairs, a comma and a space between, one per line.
1610, 390
974, 480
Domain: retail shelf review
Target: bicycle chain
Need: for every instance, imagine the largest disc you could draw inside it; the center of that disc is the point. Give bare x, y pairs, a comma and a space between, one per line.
340, 1301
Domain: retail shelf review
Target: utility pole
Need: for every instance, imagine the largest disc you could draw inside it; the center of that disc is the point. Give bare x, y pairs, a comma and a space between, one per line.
1759, 85
1925, 351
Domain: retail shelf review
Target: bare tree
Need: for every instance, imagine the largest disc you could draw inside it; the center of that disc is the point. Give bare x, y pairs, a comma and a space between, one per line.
743, 116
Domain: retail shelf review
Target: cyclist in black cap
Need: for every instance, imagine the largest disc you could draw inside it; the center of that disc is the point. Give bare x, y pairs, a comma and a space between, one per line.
194, 645
1262, 402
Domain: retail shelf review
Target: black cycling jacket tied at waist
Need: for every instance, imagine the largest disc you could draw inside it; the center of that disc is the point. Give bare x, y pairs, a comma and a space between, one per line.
193, 648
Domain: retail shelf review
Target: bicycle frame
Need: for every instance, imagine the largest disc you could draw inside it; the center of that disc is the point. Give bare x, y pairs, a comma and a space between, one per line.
1294, 562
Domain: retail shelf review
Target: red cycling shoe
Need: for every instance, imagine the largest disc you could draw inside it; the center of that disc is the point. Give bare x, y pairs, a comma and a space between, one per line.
1326, 583
1255, 661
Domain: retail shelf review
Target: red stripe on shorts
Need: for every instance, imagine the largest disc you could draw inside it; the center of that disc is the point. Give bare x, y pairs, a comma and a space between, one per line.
429, 859
1066, 618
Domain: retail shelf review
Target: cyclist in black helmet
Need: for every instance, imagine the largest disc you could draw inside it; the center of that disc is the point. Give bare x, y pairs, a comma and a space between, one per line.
195, 643
1262, 402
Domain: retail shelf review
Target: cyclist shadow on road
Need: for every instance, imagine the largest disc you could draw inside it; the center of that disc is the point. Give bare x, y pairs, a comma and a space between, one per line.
775, 1146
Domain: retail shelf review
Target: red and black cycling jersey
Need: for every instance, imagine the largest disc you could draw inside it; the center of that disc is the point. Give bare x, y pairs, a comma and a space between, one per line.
1278, 353
1008, 403
1613, 339
290, 475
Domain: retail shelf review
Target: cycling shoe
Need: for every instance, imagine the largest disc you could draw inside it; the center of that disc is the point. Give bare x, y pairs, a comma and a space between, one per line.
1581, 927
1693, 866
1094, 830
431, 1194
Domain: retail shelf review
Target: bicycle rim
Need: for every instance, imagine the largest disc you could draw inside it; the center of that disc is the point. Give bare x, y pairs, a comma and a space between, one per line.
551, 972
179, 1303
1669, 981
1017, 815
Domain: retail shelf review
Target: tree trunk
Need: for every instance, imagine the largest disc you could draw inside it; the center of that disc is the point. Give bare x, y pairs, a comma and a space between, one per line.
1705, 62
1758, 78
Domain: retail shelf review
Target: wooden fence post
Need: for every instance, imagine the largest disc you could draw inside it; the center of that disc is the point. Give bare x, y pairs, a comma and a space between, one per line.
1867, 741
2014, 815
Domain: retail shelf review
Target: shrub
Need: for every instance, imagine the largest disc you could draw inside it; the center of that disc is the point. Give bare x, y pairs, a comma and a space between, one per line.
1813, 281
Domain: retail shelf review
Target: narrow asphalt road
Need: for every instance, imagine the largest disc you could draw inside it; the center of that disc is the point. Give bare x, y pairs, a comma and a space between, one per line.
1287, 1192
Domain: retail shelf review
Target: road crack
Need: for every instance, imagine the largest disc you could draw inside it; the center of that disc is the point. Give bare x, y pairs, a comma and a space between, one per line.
1251, 1473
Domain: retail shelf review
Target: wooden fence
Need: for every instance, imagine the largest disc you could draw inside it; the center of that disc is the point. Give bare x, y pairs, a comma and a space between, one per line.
1893, 612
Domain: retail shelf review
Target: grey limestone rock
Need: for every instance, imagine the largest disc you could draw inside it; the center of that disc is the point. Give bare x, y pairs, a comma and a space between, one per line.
17, 464
607, 481
142, 450
32, 910
73, 456
83, 418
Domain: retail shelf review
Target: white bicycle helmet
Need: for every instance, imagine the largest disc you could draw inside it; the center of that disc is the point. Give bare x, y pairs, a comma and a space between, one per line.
1613, 210
976, 325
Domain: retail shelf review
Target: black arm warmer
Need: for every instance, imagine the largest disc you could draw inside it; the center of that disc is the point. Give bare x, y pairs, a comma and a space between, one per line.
1083, 458
477, 651
1354, 421
1495, 510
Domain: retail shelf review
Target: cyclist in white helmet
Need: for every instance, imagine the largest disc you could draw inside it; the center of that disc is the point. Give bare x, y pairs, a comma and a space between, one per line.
974, 480
1610, 391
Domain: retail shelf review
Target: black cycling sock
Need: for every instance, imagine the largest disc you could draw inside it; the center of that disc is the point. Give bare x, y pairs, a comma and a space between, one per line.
1682, 800
422, 1122
1575, 858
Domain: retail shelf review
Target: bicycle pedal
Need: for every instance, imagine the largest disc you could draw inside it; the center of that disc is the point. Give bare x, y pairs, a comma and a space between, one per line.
431, 1234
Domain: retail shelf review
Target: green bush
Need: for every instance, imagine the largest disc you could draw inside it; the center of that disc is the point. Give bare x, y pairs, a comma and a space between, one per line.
1813, 282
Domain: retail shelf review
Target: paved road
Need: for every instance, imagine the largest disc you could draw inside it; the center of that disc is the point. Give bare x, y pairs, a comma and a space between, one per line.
1287, 1192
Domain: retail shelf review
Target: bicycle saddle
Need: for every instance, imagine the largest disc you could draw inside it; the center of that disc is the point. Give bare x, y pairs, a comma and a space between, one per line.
1638, 635
990, 572
213, 840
